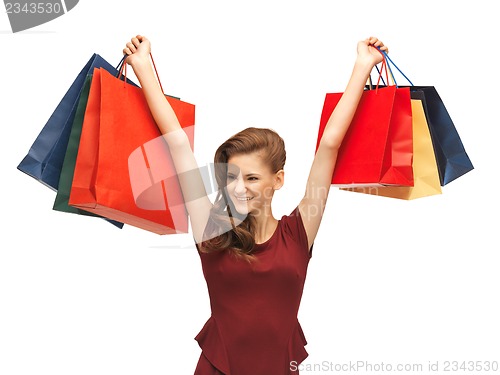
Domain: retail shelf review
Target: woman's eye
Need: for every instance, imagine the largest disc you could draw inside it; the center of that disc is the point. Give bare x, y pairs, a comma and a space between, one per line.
252, 178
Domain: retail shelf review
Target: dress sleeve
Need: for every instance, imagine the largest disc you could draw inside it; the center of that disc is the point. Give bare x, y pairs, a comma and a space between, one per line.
294, 227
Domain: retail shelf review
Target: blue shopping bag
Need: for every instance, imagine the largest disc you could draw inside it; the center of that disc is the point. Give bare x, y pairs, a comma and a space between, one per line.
452, 159
45, 158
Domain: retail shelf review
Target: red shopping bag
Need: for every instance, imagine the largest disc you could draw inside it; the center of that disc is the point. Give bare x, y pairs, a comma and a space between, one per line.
123, 169
425, 168
377, 149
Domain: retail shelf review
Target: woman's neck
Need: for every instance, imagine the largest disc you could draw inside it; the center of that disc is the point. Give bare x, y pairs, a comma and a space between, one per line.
265, 225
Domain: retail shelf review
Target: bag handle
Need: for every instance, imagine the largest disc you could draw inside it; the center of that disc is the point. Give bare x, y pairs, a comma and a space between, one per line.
383, 67
386, 63
399, 70
119, 66
122, 70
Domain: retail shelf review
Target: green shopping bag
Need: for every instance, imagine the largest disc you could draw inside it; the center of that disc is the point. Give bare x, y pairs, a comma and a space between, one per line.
69, 162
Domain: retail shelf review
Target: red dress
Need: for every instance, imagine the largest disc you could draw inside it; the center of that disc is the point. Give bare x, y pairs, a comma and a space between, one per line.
253, 329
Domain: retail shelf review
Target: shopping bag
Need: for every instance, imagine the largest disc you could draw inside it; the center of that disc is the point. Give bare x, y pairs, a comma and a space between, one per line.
117, 123
425, 170
377, 148
61, 202
45, 157
452, 158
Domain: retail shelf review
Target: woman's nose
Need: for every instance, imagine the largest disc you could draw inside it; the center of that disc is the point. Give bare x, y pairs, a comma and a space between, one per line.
240, 188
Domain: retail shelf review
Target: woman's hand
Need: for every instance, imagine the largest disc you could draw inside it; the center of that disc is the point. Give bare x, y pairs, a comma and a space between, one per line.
137, 50
368, 52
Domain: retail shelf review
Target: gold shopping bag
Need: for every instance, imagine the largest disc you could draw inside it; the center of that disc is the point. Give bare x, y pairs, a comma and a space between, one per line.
425, 170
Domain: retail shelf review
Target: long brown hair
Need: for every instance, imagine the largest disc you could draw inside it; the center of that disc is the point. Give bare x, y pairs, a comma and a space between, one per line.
222, 232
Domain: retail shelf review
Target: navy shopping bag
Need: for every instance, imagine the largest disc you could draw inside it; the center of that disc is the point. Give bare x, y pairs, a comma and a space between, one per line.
45, 158
451, 157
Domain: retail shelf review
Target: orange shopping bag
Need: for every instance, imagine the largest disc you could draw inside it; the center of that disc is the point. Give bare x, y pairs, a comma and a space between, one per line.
123, 170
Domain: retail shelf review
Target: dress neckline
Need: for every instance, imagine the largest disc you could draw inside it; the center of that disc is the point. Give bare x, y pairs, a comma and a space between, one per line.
266, 242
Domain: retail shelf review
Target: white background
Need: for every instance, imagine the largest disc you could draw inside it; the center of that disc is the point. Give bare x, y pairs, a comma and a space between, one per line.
390, 281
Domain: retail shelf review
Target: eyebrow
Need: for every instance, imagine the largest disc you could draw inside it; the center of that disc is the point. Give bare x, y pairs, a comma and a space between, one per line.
247, 175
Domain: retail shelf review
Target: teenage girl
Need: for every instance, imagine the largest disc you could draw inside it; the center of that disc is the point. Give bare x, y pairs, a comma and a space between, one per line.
254, 264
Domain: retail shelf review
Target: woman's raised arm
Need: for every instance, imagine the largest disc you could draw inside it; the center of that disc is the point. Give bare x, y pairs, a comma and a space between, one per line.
318, 184
197, 203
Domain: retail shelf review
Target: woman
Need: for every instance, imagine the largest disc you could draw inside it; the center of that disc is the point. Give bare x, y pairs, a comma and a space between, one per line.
254, 265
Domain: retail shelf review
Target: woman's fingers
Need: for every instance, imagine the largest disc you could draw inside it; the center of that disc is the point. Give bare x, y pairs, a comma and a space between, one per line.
135, 42
373, 41
134, 46
131, 47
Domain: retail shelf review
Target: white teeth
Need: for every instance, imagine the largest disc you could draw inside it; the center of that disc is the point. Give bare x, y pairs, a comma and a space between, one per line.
244, 199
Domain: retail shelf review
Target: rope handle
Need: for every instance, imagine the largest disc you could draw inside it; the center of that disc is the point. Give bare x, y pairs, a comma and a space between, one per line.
386, 56
383, 67
386, 64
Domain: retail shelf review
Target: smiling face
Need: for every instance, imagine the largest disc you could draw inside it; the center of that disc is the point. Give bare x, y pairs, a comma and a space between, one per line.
251, 183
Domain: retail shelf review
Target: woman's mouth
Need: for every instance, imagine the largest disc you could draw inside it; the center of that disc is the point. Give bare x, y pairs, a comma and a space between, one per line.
244, 199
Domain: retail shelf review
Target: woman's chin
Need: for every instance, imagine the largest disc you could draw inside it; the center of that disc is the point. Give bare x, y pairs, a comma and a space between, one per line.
242, 207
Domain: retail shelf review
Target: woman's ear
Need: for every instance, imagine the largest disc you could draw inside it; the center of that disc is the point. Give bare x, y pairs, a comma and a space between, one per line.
279, 179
